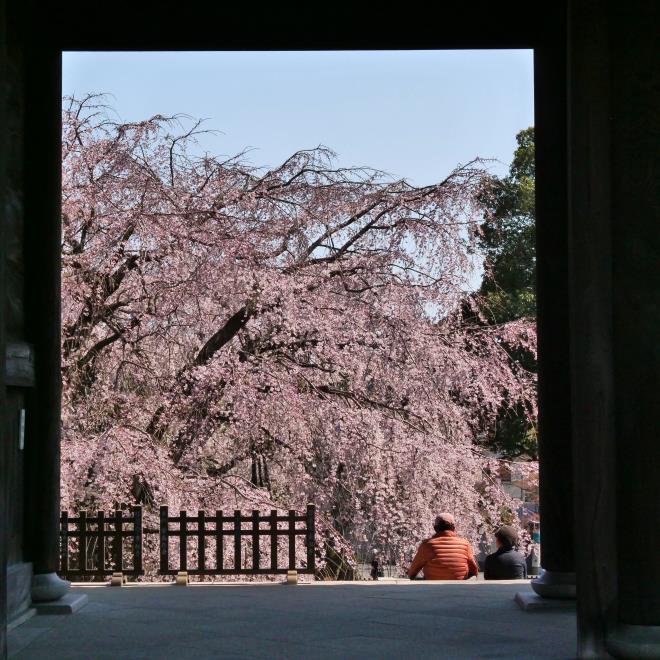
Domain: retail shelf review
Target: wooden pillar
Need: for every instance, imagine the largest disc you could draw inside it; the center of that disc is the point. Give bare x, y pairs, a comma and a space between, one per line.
4, 139
591, 331
43, 276
555, 445
636, 308
635, 187
615, 250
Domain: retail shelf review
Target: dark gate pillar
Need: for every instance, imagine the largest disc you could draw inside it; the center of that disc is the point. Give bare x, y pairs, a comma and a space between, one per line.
636, 323
615, 251
42, 250
555, 447
591, 331
4, 495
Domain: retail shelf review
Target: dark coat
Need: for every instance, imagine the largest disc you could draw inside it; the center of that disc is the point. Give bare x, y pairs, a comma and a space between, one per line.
505, 564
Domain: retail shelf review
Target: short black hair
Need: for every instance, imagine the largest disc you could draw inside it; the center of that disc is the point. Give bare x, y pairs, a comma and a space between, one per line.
507, 536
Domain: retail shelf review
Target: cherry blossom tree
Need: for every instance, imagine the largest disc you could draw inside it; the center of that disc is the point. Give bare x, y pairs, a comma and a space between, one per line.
241, 337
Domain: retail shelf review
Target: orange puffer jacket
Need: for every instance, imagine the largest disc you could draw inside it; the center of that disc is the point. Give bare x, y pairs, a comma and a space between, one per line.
444, 556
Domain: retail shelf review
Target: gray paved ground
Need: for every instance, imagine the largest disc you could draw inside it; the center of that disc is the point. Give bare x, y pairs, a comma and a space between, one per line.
369, 620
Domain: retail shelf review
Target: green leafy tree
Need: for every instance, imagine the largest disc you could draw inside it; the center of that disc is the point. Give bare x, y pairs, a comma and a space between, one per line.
508, 288
508, 236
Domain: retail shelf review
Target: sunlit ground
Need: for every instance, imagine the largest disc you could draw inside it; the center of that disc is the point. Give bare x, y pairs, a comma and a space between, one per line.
322, 620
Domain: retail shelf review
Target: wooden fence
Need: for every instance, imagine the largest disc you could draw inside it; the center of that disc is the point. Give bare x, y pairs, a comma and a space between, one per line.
194, 536
88, 540
214, 527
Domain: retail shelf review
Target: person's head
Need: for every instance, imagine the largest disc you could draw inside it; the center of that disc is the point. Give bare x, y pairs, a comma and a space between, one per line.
444, 522
506, 537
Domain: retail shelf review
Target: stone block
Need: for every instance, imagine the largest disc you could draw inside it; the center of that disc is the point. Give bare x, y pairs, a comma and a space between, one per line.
118, 580
68, 604
530, 602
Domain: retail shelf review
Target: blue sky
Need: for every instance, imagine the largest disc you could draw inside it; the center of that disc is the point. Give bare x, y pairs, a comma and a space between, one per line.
414, 114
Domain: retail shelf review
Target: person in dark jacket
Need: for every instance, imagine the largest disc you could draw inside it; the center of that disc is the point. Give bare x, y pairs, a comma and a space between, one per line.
506, 563
376, 570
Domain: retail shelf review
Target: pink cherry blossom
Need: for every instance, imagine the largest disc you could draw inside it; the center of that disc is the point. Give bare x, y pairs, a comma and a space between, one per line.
242, 338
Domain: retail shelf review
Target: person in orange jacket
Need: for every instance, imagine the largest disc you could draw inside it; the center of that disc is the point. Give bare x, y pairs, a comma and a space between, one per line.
445, 556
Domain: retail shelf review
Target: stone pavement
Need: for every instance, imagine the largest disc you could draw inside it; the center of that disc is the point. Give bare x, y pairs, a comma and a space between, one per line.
322, 620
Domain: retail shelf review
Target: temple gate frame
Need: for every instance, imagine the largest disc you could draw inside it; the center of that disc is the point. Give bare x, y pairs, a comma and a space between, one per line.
597, 253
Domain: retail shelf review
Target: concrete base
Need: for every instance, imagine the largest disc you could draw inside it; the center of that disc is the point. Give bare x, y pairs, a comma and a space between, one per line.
553, 585
19, 582
48, 586
638, 642
66, 605
21, 618
530, 602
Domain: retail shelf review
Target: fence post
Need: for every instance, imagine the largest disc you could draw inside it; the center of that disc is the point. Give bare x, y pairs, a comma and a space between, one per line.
219, 542
237, 540
292, 539
273, 540
64, 543
137, 539
255, 540
310, 538
164, 541
117, 579
100, 524
201, 545
82, 527
183, 541
118, 555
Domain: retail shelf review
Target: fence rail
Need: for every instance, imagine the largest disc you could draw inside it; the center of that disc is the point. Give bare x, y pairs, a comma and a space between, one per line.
195, 535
